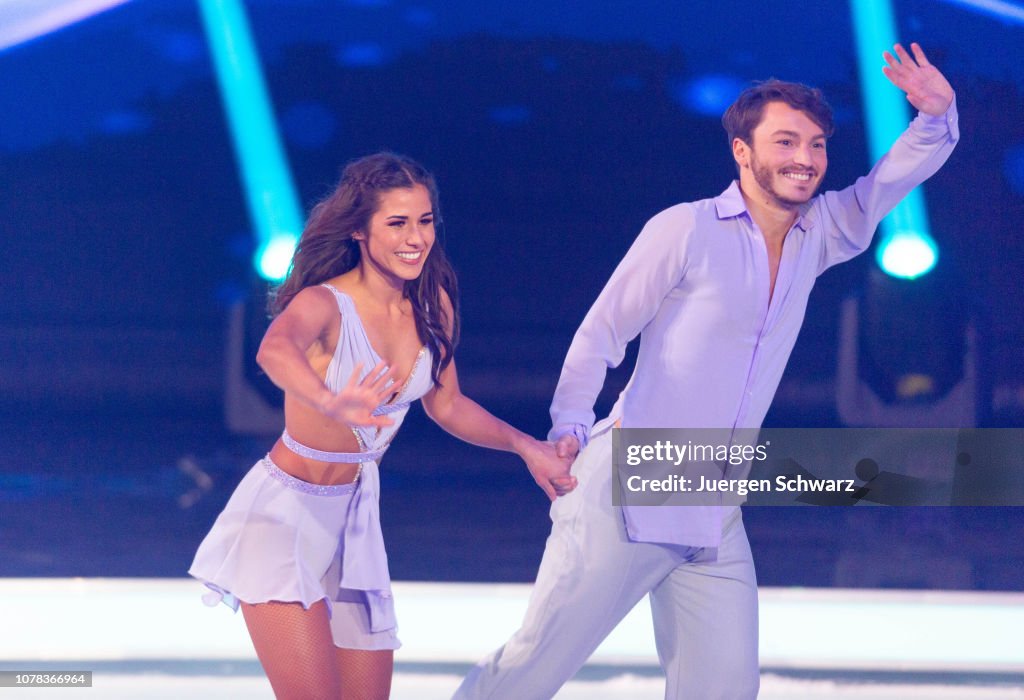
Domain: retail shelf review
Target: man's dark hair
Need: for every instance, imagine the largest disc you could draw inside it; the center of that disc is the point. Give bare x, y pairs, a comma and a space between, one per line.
746, 112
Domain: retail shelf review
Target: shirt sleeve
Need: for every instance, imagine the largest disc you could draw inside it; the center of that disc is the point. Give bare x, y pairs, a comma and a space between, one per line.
850, 216
652, 267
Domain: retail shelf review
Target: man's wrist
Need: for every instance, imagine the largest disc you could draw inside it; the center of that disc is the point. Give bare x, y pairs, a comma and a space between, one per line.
577, 430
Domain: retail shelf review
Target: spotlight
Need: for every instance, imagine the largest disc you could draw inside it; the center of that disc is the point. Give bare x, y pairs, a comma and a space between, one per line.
274, 257
907, 254
907, 354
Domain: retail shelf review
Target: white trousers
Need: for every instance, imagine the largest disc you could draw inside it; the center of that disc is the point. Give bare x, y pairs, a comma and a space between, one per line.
703, 601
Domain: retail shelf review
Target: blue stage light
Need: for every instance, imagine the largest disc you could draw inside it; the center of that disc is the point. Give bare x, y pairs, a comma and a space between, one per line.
21, 22
886, 114
273, 205
126, 122
275, 256
365, 54
183, 47
1006, 11
708, 95
907, 255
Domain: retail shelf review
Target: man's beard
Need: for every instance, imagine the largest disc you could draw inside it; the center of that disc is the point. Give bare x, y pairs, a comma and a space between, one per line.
764, 177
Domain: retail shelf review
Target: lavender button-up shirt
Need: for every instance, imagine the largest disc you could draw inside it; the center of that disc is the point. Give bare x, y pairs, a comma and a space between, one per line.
694, 285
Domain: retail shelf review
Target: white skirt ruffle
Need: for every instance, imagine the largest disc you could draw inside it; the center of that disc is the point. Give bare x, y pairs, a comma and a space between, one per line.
281, 539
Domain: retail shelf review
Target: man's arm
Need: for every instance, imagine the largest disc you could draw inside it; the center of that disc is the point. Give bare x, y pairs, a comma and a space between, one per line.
851, 215
651, 268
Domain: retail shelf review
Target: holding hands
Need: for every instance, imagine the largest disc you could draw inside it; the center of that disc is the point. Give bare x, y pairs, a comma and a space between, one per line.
567, 447
549, 468
927, 89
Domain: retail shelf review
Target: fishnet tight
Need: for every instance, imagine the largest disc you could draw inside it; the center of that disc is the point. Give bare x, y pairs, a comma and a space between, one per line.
300, 659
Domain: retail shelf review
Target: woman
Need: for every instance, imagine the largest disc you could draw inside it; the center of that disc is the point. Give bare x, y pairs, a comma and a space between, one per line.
365, 324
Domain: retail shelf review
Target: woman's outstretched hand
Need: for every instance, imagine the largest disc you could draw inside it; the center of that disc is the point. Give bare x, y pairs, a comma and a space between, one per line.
355, 403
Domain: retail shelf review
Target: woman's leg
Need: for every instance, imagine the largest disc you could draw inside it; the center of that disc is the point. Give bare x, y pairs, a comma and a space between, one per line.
295, 647
365, 675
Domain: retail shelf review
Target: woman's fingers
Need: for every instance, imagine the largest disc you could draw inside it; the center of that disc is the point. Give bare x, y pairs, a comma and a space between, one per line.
353, 379
381, 421
381, 379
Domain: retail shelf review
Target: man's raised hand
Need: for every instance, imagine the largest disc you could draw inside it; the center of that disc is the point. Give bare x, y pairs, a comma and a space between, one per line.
927, 89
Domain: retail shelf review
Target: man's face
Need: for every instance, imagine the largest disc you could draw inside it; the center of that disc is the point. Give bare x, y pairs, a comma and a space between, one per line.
786, 161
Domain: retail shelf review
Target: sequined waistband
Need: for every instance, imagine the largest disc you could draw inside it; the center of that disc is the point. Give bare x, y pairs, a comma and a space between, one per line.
338, 457
296, 484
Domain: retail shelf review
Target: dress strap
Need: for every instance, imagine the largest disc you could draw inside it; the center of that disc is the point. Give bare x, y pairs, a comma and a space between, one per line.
338, 457
343, 300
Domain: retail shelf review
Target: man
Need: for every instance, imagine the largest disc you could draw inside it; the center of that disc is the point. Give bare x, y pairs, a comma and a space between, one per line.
717, 290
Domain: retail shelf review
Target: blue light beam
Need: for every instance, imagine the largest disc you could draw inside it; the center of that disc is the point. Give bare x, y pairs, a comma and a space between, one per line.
22, 21
273, 205
906, 248
1006, 11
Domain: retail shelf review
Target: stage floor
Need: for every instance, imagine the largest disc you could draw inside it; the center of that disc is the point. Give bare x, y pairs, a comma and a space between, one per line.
154, 638
101, 517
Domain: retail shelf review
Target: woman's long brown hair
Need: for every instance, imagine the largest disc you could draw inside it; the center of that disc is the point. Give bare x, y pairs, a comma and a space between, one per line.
326, 249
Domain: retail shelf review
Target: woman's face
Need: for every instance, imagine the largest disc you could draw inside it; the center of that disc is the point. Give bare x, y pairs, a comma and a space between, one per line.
400, 234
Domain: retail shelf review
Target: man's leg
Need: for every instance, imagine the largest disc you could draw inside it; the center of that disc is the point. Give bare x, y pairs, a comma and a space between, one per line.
705, 622
589, 578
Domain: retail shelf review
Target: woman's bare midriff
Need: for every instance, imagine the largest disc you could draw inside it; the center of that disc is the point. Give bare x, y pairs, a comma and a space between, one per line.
319, 432
312, 471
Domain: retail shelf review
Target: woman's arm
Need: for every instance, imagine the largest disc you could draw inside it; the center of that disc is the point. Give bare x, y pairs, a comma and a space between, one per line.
469, 421
283, 356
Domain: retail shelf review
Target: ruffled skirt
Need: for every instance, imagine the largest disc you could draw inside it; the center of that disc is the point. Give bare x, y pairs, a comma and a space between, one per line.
282, 539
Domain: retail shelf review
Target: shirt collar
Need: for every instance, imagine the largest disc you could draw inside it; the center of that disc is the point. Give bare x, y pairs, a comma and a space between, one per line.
730, 204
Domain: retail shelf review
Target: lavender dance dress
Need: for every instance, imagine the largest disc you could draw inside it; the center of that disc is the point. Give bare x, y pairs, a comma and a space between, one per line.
283, 539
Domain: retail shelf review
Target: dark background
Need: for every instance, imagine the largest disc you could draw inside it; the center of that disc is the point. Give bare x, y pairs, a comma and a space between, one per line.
555, 131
